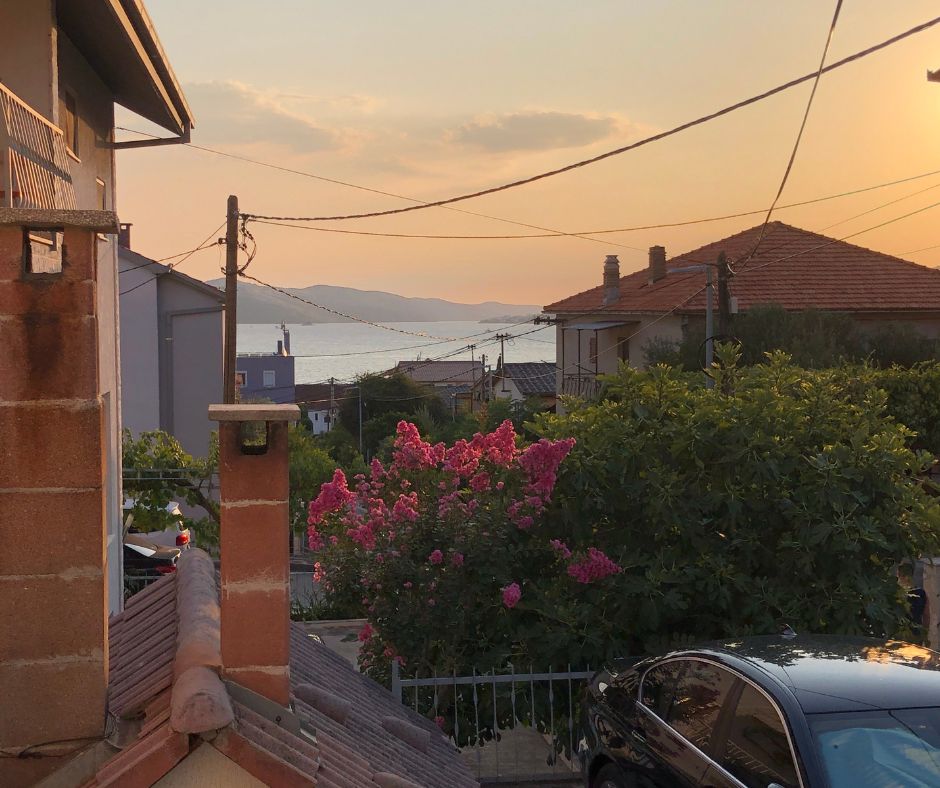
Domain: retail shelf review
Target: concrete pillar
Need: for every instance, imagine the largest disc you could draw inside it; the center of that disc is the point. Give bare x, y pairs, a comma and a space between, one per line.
53, 589
255, 565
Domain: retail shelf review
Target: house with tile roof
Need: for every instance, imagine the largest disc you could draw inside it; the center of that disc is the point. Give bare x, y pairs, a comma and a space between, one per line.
528, 380
441, 373
794, 268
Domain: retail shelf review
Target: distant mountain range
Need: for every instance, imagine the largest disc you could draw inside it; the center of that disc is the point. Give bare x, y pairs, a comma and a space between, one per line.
258, 304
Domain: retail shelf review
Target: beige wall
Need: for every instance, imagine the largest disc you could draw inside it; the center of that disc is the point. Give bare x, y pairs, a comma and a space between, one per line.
208, 768
29, 24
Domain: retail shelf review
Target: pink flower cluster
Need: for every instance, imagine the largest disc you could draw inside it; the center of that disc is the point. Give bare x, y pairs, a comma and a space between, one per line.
540, 462
411, 452
561, 548
511, 595
594, 566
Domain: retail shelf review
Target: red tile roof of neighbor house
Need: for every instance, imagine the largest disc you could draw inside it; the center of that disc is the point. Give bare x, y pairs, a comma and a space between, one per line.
801, 270
167, 699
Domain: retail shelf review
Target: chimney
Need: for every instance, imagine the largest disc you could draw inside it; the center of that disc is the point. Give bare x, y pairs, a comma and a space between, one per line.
280, 348
657, 263
255, 532
53, 580
286, 333
611, 280
124, 234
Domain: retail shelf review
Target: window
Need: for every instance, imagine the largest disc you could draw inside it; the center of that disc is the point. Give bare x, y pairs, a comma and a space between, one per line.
623, 349
241, 379
659, 683
316, 416
68, 120
592, 349
758, 752
268, 378
102, 195
701, 690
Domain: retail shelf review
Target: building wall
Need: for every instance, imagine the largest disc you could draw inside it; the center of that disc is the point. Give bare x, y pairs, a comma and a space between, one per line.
254, 367
33, 79
319, 421
140, 361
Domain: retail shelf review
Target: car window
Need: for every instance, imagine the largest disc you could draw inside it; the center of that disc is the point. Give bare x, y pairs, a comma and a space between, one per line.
659, 683
700, 691
757, 751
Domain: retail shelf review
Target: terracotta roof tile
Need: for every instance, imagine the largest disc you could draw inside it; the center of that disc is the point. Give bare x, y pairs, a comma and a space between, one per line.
365, 729
837, 277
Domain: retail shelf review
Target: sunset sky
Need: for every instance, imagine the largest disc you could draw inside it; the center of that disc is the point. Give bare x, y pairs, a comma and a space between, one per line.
430, 98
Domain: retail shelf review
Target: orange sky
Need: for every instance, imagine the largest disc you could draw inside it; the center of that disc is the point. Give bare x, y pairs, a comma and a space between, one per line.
429, 99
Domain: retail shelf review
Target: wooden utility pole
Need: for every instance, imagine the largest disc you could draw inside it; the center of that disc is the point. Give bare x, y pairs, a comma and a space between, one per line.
724, 298
502, 357
473, 376
231, 299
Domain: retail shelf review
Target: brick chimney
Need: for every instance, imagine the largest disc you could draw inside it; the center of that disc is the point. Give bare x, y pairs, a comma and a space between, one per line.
124, 234
657, 267
255, 530
611, 280
53, 583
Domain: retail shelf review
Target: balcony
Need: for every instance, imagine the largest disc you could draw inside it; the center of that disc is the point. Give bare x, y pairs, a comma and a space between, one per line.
34, 167
586, 386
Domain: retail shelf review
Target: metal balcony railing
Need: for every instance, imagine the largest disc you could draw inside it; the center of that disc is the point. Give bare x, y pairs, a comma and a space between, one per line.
585, 385
34, 166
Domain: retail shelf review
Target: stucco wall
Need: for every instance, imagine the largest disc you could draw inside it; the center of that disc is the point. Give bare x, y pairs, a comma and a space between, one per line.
32, 78
283, 366
140, 361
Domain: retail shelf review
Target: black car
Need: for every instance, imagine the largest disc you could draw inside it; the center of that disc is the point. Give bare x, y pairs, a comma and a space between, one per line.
767, 712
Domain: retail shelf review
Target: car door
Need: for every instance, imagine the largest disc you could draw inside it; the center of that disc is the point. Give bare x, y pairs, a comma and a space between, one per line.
756, 750
676, 723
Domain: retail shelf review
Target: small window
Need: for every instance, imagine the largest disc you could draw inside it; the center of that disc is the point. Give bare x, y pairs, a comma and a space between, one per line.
701, 691
592, 349
316, 416
241, 379
68, 120
623, 349
758, 752
268, 378
102, 195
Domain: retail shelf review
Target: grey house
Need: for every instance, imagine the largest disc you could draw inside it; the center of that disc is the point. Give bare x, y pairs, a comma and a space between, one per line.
267, 377
171, 349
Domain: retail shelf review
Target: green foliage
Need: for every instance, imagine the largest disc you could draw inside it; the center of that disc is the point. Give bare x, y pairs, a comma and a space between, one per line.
813, 338
159, 471
310, 466
782, 495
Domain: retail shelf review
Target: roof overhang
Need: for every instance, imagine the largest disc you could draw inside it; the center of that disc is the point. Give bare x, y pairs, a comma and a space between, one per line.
119, 41
596, 325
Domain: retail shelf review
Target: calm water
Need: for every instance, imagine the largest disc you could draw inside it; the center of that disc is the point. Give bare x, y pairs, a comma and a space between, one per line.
320, 348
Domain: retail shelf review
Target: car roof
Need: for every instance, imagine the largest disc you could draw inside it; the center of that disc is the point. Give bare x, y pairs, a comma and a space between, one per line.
831, 673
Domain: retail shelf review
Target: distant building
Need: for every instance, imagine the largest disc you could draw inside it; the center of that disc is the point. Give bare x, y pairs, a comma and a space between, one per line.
522, 381
321, 403
794, 268
442, 373
171, 349
267, 376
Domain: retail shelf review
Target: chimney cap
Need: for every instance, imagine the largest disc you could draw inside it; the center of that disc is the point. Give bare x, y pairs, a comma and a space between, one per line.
260, 412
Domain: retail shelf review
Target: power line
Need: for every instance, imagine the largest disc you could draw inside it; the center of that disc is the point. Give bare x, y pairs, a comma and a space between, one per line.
337, 182
633, 228
799, 136
625, 148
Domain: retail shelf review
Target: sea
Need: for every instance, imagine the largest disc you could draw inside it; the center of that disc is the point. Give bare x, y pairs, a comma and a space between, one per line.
346, 350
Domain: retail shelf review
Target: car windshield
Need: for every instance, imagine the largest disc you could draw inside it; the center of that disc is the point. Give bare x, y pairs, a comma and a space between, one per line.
899, 748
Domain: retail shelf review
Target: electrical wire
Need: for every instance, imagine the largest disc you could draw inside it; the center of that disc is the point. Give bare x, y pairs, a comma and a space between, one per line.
625, 148
337, 182
799, 135
634, 228
204, 244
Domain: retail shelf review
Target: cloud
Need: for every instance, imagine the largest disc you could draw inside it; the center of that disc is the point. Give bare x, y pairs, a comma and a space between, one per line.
537, 130
235, 113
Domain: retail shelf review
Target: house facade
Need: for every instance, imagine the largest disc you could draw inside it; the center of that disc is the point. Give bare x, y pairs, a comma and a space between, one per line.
613, 323
321, 401
267, 377
525, 381
171, 349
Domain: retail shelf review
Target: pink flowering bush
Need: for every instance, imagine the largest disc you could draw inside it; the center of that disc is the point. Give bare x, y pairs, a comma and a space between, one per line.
446, 553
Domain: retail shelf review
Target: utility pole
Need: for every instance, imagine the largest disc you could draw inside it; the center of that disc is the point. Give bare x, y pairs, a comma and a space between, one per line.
332, 402
473, 376
709, 328
483, 379
360, 417
724, 297
502, 358
231, 299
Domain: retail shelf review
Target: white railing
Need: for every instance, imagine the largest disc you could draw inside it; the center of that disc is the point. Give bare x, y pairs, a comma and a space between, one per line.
34, 165
584, 385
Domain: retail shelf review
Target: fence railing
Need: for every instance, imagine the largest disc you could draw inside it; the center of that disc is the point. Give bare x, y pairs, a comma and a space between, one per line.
34, 165
586, 386
509, 726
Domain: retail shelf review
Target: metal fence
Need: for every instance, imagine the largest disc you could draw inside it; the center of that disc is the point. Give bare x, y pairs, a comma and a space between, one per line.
510, 727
